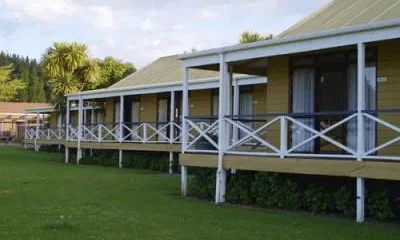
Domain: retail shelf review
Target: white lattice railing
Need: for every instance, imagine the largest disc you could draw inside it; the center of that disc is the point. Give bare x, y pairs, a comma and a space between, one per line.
45, 133
304, 135
202, 134
157, 132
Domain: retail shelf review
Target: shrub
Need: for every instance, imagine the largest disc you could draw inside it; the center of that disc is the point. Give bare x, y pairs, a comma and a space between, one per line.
203, 182
319, 199
379, 206
344, 201
239, 188
276, 190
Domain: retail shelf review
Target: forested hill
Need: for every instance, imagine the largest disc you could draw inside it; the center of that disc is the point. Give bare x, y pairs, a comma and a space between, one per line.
30, 72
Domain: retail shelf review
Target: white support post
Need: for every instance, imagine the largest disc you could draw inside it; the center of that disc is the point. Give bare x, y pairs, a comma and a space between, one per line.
67, 114
236, 96
360, 198
121, 118
67, 120
66, 155
171, 129
25, 130
184, 180
223, 131
80, 128
185, 108
37, 131
120, 157
185, 113
284, 137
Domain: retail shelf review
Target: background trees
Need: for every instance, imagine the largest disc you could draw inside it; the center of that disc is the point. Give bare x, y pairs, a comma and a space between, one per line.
28, 70
9, 86
112, 70
69, 70
248, 37
64, 68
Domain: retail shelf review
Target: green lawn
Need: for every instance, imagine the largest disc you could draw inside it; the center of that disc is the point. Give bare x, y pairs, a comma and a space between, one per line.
110, 203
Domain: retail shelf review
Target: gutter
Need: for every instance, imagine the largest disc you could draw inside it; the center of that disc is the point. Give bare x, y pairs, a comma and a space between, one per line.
296, 38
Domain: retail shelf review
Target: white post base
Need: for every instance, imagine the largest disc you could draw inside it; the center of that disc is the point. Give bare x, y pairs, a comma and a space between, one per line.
120, 158
171, 161
66, 155
78, 155
220, 187
184, 181
360, 200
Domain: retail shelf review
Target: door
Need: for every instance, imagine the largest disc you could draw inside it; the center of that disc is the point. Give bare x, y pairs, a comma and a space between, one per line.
117, 120
303, 102
246, 109
370, 104
135, 112
163, 118
332, 85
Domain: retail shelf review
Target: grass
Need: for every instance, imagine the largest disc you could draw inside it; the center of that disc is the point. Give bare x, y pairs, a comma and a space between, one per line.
41, 198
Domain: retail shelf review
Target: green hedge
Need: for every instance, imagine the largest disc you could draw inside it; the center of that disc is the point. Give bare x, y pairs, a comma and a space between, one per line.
137, 160
316, 194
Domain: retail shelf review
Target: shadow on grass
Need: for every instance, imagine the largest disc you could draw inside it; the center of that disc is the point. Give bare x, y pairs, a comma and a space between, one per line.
60, 225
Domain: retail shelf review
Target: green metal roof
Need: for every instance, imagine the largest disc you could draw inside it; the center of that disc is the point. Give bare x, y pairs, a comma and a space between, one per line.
344, 13
164, 70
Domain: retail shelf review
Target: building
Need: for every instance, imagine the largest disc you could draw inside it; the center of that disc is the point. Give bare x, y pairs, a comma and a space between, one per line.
330, 106
139, 113
331, 102
12, 118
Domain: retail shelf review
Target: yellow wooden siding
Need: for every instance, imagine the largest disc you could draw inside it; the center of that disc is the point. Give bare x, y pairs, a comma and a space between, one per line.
388, 92
148, 110
74, 117
53, 120
109, 110
277, 93
200, 102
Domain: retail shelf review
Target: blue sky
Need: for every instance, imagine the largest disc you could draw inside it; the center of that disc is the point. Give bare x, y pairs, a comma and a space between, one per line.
141, 30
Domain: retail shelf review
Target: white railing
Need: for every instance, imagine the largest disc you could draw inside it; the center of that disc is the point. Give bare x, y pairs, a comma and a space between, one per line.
157, 132
303, 135
202, 134
289, 135
379, 151
45, 133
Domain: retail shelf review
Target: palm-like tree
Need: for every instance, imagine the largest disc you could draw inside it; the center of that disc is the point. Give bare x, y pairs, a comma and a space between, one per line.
248, 37
69, 69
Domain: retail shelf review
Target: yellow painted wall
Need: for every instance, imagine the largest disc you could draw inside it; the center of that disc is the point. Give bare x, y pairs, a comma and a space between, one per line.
277, 99
109, 110
148, 108
388, 92
200, 102
53, 120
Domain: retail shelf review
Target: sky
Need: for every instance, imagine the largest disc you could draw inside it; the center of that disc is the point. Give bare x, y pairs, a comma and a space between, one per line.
140, 31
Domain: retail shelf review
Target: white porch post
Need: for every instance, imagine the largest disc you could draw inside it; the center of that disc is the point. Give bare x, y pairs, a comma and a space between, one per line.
25, 130
80, 128
121, 128
67, 131
223, 131
171, 129
37, 131
185, 113
236, 96
360, 128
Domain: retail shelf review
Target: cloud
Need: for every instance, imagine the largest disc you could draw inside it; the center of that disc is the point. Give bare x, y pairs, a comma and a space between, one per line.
44, 10
102, 16
208, 14
141, 31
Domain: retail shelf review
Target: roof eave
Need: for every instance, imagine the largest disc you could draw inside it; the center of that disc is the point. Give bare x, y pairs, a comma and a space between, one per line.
289, 39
